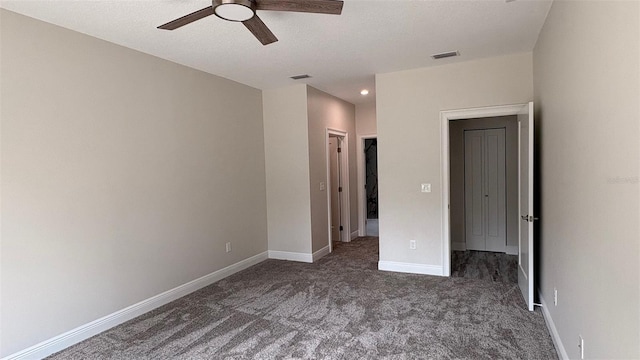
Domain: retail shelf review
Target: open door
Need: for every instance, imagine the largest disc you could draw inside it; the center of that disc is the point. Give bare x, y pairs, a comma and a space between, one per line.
525, 185
334, 189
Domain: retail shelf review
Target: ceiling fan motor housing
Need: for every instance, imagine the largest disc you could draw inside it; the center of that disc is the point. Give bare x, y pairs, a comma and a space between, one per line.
234, 10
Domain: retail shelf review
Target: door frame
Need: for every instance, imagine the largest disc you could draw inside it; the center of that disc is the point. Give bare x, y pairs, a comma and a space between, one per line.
362, 193
445, 117
344, 179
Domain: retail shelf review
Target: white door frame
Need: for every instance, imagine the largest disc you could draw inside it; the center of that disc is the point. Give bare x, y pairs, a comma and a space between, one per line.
445, 117
344, 174
362, 193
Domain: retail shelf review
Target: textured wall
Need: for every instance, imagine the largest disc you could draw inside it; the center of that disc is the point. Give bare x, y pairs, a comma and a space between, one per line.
123, 176
587, 81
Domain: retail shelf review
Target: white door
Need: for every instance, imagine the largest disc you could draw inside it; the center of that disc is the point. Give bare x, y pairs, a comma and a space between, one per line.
334, 187
525, 178
485, 190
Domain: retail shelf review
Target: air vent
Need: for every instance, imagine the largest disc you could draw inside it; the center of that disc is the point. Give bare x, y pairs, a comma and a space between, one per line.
445, 55
298, 77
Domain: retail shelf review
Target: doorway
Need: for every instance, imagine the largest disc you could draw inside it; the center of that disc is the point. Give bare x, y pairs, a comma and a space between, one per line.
368, 204
483, 182
525, 187
371, 186
338, 210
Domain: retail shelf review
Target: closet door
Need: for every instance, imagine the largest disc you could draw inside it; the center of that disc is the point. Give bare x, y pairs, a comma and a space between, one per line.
474, 149
495, 190
485, 190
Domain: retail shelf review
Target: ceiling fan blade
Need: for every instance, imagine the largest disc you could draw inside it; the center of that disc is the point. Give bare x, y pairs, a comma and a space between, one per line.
187, 19
260, 30
311, 6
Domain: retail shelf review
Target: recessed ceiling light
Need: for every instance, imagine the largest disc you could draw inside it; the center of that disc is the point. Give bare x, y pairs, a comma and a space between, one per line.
364, 92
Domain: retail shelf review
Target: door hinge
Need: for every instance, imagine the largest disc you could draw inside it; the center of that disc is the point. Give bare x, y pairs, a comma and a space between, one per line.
339, 150
341, 228
340, 189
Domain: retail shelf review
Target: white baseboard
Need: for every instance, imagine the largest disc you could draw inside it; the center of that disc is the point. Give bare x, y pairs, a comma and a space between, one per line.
410, 268
291, 256
320, 253
354, 234
562, 353
95, 327
458, 246
512, 250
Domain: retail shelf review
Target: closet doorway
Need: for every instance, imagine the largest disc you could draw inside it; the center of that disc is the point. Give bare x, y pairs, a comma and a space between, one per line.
484, 184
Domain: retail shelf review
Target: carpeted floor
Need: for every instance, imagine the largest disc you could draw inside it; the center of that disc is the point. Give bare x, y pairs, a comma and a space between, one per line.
485, 265
341, 307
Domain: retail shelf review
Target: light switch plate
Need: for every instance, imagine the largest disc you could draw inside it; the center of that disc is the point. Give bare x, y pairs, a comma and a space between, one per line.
426, 188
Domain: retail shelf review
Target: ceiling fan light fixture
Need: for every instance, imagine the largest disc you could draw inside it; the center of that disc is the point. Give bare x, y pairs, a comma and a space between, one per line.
234, 10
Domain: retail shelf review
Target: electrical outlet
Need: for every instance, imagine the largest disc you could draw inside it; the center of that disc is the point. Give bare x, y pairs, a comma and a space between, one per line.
555, 297
581, 346
425, 188
412, 244
228, 247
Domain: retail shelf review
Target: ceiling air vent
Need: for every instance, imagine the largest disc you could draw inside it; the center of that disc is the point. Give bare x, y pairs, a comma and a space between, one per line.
298, 77
445, 55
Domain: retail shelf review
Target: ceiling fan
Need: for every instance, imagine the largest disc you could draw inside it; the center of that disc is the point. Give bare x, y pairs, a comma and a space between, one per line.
244, 11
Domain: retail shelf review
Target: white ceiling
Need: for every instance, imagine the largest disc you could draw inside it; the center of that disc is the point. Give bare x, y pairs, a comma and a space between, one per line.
341, 53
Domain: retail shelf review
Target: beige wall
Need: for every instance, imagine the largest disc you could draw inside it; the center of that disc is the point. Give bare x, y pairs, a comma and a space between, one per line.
366, 118
327, 111
408, 110
586, 71
456, 197
287, 169
365, 125
123, 176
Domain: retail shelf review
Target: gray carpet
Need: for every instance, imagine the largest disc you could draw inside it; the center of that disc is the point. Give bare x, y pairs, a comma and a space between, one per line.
341, 307
485, 265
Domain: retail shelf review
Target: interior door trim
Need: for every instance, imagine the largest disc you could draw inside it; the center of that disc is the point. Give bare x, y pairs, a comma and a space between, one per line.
445, 117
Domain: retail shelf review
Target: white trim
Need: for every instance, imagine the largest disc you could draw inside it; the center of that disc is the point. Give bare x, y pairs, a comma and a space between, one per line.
555, 336
410, 268
512, 250
445, 117
355, 234
320, 253
362, 198
83, 332
458, 246
291, 256
344, 173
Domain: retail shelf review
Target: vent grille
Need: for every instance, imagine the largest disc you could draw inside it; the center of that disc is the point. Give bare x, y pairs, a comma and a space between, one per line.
445, 55
298, 77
